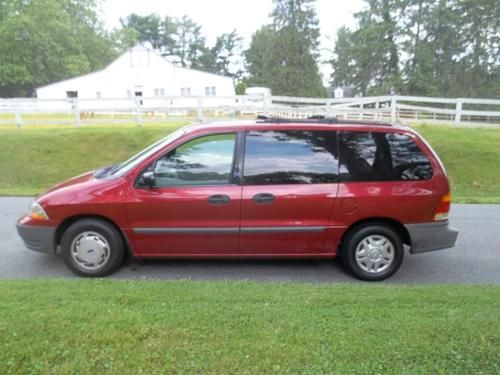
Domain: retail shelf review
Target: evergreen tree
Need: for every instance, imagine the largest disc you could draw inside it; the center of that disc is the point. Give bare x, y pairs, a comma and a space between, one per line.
282, 56
422, 47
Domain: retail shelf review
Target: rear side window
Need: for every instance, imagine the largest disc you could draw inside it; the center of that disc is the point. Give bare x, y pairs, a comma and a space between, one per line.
375, 156
290, 157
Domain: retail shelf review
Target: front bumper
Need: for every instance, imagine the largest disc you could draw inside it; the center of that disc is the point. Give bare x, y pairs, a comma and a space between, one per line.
431, 236
38, 238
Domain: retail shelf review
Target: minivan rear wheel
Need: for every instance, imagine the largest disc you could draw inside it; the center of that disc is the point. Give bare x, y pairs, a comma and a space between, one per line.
372, 252
92, 248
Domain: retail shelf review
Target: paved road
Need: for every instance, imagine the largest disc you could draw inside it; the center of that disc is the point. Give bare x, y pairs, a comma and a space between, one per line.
474, 260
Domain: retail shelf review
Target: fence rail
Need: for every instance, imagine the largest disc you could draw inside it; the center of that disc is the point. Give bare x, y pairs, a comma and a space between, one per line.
20, 111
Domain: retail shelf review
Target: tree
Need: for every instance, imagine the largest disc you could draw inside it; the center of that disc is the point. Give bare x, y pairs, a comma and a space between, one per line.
124, 38
422, 47
370, 52
226, 49
147, 27
345, 67
258, 56
71, 42
282, 56
301, 15
189, 43
292, 69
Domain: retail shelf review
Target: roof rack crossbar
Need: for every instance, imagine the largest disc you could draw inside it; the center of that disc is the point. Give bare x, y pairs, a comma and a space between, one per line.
316, 119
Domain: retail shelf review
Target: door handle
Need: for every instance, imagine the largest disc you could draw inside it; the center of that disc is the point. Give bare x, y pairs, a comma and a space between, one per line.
263, 198
219, 199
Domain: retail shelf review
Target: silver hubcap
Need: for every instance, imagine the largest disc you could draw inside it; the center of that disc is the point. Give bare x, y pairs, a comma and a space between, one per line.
375, 253
90, 250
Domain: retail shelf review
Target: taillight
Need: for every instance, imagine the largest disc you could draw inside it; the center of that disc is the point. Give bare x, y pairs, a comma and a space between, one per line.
443, 209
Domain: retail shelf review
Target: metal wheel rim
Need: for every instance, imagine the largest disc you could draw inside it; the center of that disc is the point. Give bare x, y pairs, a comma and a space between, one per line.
375, 253
90, 250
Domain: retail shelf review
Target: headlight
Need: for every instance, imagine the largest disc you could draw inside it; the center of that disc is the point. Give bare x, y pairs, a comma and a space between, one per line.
36, 212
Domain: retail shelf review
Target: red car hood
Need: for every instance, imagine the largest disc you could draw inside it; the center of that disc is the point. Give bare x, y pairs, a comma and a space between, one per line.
87, 176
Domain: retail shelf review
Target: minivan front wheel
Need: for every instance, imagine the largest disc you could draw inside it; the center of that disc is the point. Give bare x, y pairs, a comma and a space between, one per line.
92, 247
372, 252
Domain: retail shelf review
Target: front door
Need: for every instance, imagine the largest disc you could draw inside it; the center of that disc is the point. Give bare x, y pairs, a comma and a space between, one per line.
194, 208
289, 189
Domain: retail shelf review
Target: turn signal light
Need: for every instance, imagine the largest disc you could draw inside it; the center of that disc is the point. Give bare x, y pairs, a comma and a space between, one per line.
443, 209
36, 212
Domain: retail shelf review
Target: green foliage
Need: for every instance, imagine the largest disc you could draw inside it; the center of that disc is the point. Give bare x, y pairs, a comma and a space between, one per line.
257, 56
48, 40
181, 39
421, 47
241, 88
226, 49
282, 56
189, 43
301, 15
165, 327
149, 28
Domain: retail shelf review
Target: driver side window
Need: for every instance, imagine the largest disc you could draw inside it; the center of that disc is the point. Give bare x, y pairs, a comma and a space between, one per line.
202, 161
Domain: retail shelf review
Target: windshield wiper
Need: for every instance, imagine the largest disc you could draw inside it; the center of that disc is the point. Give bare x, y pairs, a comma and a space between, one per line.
106, 170
115, 167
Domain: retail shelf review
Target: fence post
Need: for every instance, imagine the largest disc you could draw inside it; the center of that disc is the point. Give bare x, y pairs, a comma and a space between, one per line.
17, 114
200, 109
393, 109
138, 114
329, 109
76, 111
458, 112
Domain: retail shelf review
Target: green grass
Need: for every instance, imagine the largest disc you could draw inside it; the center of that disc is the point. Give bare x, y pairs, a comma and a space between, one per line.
133, 327
472, 159
34, 158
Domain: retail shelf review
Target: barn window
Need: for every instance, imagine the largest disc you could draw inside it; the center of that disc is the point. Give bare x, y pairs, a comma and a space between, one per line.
129, 93
72, 94
159, 92
186, 91
210, 91
98, 94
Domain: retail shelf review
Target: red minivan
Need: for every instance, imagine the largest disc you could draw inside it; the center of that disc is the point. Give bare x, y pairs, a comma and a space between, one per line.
270, 188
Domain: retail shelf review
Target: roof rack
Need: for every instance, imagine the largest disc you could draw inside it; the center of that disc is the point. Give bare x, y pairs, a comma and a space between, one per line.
316, 119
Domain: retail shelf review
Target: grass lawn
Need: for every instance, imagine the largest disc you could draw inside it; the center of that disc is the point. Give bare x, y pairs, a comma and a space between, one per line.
122, 327
32, 159
472, 159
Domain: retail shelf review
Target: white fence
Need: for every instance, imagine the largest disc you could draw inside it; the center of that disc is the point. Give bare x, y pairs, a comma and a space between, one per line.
460, 111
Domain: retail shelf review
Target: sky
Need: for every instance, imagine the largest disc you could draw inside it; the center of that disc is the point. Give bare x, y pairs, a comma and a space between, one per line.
246, 16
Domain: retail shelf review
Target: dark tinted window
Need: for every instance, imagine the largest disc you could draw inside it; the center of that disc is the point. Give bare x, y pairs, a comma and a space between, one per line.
290, 157
202, 161
366, 156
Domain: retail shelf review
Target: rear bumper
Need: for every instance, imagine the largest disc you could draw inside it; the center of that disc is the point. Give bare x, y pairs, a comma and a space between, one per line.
431, 236
38, 238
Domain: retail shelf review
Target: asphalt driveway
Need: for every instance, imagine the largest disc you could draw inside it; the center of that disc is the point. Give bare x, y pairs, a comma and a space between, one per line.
474, 260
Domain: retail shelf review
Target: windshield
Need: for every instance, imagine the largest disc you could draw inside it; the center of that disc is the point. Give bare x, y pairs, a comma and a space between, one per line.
137, 159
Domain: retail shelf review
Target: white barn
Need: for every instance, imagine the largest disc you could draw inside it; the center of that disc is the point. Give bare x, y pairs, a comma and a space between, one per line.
143, 72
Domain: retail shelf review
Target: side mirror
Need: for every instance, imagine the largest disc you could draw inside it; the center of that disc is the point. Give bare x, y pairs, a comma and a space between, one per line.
148, 179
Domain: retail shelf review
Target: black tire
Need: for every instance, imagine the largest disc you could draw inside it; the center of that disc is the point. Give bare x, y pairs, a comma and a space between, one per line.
373, 230
106, 231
